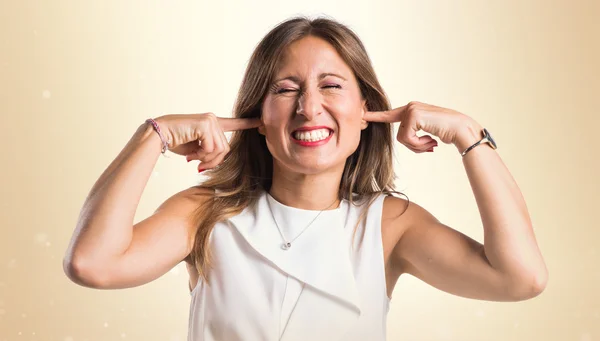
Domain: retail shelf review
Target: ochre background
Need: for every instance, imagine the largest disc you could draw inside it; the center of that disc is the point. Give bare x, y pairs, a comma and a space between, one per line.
77, 78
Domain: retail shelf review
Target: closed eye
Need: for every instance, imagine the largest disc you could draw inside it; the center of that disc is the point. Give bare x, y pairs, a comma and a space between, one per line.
334, 86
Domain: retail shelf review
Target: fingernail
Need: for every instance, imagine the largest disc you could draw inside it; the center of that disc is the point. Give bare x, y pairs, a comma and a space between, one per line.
430, 150
201, 170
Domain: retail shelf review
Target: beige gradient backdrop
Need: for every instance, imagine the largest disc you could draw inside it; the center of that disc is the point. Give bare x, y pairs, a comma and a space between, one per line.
77, 78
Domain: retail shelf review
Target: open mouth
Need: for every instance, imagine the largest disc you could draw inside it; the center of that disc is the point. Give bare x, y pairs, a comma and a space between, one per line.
313, 135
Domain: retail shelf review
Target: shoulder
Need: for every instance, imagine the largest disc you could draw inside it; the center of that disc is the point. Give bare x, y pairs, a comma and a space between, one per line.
187, 200
402, 211
393, 219
197, 193
398, 216
182, 206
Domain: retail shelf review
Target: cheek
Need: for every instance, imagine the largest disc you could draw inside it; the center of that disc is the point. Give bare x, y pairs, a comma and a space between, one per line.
270, 117
273, 123
350, 123
275, 111
351, 117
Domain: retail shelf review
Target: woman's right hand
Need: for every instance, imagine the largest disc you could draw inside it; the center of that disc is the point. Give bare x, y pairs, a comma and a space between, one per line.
201, 136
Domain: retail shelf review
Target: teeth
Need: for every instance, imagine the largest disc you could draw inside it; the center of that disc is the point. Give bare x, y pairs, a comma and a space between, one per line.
312, 136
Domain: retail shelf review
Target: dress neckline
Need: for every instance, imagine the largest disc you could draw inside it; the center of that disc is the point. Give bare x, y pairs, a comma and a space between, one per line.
292, 221
274, 202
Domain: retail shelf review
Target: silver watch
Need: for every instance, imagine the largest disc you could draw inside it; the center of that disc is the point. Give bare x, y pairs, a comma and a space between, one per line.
487, 138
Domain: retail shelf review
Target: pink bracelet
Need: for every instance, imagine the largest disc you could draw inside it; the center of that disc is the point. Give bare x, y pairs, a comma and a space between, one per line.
165, 144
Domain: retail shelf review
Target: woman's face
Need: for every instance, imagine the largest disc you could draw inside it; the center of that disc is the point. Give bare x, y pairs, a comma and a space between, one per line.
313, 87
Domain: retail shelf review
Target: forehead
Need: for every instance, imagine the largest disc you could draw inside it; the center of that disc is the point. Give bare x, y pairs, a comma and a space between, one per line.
311, 55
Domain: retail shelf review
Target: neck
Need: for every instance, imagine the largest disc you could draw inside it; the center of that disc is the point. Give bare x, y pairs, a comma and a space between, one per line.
306, 191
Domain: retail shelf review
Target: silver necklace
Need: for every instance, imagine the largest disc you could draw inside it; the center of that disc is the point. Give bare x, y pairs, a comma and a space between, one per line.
287, 244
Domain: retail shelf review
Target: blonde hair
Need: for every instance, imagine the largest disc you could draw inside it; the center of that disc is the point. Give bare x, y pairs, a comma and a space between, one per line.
248, 168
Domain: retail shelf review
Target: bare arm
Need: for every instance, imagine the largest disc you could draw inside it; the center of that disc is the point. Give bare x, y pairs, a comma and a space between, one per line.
507, 267
107, 250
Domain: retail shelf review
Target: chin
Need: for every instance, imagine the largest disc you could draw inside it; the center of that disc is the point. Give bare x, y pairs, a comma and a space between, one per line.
316, 167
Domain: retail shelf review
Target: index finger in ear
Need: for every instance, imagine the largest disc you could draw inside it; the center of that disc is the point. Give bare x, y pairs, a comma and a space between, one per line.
394, 115
231, 124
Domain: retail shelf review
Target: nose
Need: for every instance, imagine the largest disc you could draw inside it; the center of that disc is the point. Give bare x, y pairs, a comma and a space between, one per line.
309, 104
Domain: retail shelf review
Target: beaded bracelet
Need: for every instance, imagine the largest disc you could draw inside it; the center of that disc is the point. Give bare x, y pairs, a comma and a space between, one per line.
165, 144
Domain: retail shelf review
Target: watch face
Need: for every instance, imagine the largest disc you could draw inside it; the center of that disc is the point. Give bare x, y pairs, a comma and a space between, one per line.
490, 138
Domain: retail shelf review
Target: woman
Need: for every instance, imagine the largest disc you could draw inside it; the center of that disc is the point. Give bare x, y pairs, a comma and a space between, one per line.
296, 222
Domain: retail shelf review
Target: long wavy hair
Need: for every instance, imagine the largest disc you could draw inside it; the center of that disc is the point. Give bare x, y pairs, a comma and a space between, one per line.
247, 170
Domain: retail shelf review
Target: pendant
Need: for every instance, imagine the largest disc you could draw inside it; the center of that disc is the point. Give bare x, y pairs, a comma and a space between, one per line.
286, 246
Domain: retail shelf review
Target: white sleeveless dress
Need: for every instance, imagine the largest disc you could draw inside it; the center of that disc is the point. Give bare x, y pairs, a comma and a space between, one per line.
319, 289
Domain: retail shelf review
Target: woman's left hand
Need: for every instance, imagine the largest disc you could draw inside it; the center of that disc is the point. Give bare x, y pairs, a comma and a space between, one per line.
447, 124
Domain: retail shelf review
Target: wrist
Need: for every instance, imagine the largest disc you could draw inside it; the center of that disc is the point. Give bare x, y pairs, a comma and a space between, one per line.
164, 131
146, 132
161, 131
469, 134
149, 132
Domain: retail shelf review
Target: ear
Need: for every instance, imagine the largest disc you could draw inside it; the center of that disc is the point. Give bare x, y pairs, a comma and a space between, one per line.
364, 124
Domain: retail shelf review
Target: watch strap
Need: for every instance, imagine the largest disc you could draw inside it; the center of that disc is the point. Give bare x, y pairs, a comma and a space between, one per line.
483, 140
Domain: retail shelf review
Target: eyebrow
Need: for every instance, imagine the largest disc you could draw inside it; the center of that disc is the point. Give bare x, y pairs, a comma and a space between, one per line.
321, 76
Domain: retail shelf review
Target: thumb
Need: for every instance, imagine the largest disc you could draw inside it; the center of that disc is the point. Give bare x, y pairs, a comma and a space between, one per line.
188, 149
